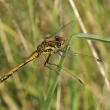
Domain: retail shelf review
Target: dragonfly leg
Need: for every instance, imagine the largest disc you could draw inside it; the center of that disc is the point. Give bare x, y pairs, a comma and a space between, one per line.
50, 63
63, 51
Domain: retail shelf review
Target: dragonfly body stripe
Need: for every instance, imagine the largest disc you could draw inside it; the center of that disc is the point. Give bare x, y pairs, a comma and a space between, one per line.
48, 50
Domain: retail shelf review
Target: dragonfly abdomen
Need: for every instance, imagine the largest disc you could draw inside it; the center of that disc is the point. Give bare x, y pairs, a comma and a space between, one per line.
30, 58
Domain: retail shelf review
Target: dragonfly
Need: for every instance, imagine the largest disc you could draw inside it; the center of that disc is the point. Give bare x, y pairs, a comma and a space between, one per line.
55, 45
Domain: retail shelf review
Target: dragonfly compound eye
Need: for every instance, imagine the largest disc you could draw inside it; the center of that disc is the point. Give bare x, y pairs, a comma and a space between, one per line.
57, 38
58, 44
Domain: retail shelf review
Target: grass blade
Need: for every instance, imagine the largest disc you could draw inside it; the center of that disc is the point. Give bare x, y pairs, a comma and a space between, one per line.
92, 37
52, 88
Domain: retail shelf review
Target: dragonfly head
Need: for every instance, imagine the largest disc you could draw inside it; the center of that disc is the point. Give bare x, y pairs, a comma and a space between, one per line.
60, 41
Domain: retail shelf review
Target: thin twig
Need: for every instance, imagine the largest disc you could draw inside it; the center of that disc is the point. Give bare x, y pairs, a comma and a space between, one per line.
21, 37
6, 45
102, 69
90, 43
59, 10
8, 52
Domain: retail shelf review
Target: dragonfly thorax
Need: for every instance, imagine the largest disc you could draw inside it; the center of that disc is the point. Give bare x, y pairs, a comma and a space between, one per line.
50, 46
46, 47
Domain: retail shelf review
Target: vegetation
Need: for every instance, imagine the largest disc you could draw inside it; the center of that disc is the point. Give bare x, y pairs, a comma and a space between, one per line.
24, 25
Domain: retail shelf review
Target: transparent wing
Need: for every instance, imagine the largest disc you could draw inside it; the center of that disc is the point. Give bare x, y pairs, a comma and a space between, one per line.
85, 67
77, 68
68, 78
66, 31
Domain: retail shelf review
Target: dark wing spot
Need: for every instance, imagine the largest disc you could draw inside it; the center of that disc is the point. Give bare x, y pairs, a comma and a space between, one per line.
80, 81
99, 60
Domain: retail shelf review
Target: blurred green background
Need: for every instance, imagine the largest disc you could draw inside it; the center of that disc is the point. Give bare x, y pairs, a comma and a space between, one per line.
23, 25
